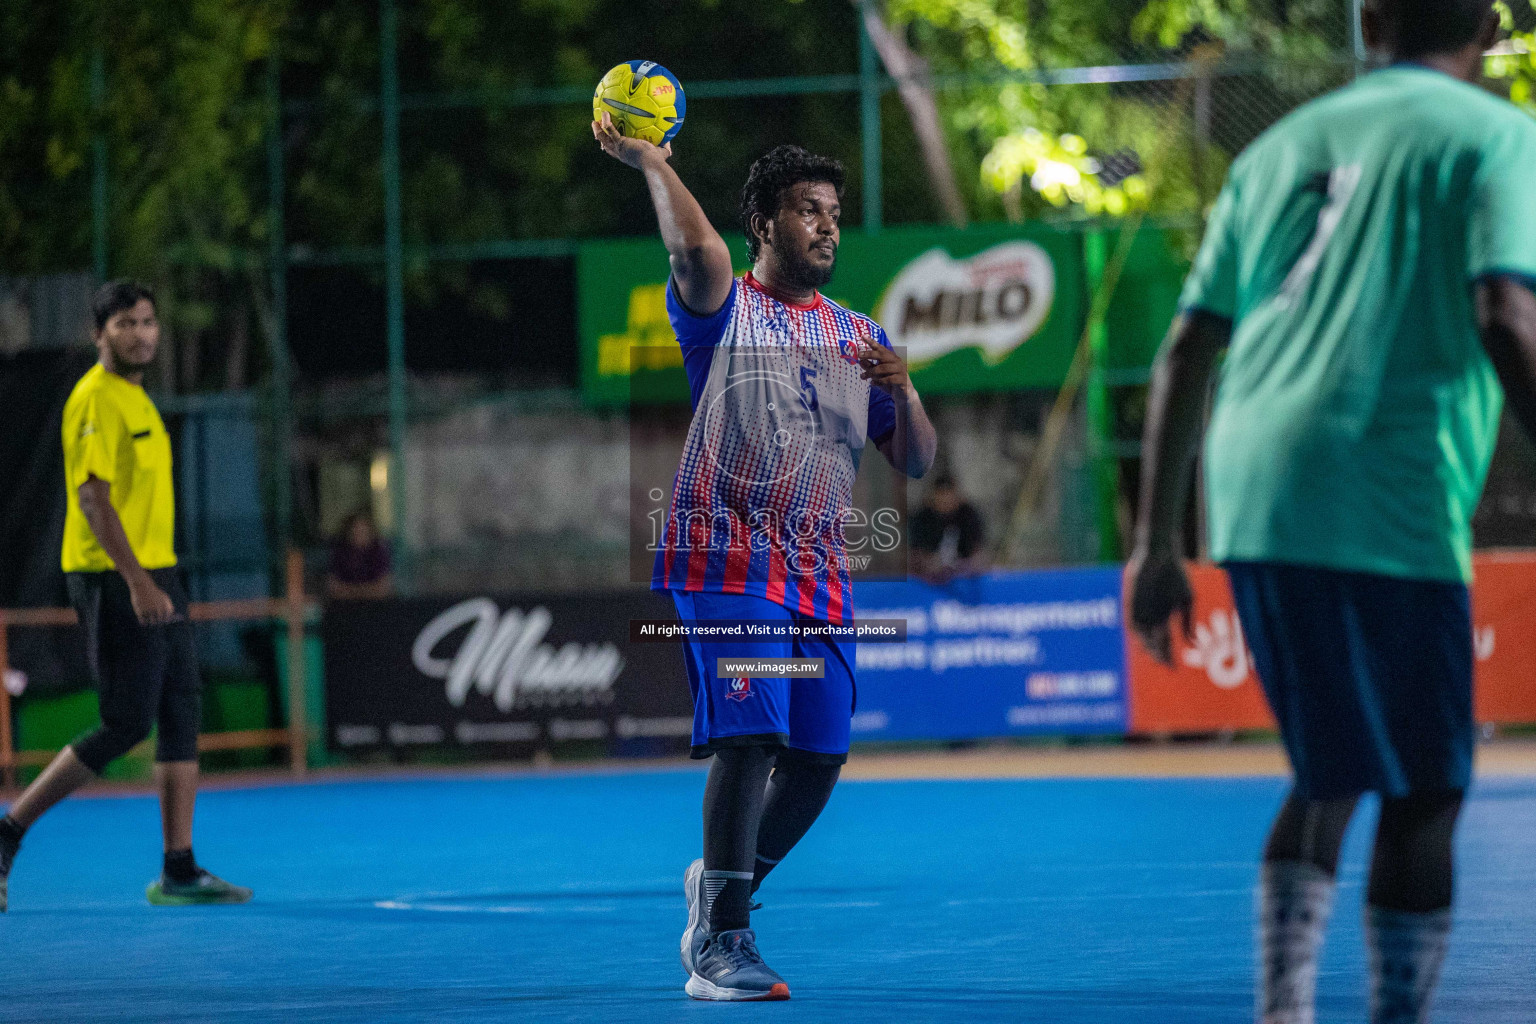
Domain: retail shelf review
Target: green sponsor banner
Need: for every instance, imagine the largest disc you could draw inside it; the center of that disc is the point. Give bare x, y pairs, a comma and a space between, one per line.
993, 308
1146, 296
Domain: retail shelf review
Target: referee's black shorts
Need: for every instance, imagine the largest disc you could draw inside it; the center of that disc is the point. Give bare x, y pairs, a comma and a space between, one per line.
144, 675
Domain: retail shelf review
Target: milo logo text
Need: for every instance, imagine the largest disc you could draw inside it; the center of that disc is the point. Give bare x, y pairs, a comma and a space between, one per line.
995, 301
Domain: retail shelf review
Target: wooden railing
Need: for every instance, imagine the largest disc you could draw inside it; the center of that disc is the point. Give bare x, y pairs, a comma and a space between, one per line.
292, 607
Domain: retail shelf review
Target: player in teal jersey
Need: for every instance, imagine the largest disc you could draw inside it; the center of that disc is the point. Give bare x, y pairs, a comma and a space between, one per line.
1369, 270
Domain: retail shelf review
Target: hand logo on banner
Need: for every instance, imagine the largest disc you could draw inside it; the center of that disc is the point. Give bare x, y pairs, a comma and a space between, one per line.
1482, 643
1220, 650
1214, 682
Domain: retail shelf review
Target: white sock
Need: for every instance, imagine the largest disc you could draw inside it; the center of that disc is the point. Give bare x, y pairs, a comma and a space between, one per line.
1294, 901
1406, 950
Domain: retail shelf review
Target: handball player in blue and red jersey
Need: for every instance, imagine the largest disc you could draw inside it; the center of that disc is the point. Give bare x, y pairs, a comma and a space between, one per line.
787, 388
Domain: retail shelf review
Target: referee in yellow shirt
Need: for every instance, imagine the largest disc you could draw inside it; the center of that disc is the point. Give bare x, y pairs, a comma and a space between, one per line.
120, 568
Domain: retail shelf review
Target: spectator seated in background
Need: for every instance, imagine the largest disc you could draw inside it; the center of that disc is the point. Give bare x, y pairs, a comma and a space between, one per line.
947, 535
360, 568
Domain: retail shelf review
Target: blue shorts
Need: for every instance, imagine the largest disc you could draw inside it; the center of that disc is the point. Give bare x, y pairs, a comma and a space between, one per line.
1369, 676
807, 717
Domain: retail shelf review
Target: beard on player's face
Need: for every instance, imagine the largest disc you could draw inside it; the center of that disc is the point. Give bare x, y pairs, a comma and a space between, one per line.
129, 340
803, 262
132, 354
798, 269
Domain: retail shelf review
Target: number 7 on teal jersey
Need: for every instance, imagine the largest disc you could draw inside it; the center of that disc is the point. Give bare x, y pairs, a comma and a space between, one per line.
1341, 186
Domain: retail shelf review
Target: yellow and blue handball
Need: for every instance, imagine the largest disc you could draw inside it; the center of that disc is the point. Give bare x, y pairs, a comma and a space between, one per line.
644, 99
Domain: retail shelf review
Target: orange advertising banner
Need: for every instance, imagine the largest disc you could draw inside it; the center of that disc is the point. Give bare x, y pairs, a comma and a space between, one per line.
1213, 686
1504, 636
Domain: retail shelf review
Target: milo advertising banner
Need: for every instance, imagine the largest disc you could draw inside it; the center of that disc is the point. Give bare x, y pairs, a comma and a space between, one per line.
984, 309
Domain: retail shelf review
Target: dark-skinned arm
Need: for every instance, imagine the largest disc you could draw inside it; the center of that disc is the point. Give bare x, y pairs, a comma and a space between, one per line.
151, 604
911, 451
913, 445
1506, 322
1181, 382
701, 261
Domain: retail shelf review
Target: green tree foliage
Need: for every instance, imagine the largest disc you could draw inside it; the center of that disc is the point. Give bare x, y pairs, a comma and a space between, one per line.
1515, 64
492, 168
1039, 147
520, 171
177, 122
182, 119
185, 119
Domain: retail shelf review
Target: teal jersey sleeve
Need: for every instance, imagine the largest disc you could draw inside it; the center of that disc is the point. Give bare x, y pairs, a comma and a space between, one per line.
1501, 235
1212, 282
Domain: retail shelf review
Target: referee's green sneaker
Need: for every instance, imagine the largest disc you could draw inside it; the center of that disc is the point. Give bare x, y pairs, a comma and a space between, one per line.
204, 887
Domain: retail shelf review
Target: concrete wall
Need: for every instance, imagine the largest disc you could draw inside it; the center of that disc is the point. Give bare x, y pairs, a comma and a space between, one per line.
506, 500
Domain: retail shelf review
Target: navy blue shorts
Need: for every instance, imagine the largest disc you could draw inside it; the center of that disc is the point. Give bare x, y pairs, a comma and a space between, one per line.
1369, 676
808, 718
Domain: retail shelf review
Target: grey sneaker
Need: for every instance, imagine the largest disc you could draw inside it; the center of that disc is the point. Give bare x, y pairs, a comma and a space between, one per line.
8, 850
205, 888
730, 969
698, 914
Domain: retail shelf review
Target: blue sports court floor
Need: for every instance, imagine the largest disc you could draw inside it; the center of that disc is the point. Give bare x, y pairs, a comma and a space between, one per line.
558, 898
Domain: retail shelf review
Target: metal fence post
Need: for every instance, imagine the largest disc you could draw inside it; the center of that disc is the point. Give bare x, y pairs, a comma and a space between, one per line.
1357, 37
277, 333
394, 286
7, 746
298, 688
869, 128
98, 162
1103, 459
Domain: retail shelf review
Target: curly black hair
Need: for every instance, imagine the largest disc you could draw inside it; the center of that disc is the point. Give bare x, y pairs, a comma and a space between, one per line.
772, 175
1420, 27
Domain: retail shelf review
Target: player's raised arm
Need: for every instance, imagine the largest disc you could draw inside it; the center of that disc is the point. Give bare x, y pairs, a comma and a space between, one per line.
701, 261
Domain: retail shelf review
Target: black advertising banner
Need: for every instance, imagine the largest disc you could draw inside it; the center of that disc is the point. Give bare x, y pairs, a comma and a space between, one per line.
511, 673
34, 384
